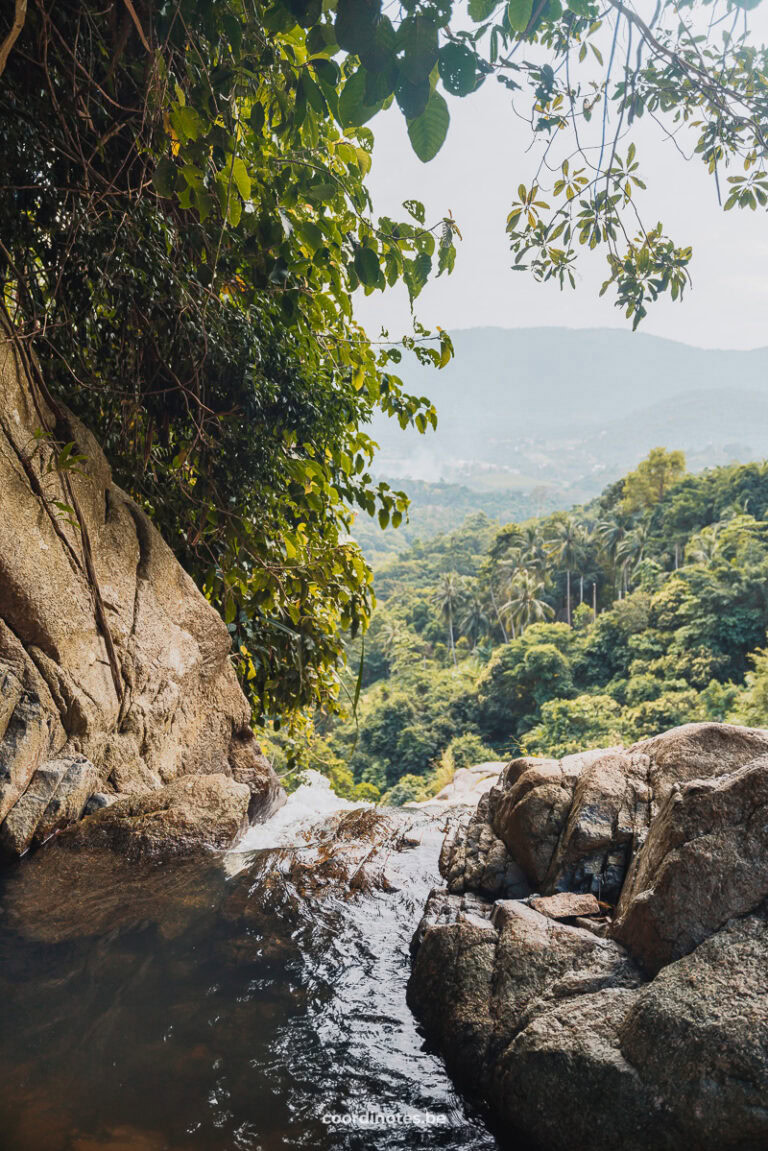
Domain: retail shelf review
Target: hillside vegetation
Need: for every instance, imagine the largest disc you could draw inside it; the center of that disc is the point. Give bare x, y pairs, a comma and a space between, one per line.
643, 609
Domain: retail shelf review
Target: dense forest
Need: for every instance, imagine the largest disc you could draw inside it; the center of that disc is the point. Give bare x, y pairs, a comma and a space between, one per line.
644, 609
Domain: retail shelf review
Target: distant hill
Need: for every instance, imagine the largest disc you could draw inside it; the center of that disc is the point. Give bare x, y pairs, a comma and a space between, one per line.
572, 410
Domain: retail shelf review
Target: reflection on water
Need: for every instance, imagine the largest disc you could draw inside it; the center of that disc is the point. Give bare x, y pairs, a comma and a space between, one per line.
255, 1002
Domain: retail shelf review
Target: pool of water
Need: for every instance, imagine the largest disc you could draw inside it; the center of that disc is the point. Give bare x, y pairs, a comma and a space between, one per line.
253, 1002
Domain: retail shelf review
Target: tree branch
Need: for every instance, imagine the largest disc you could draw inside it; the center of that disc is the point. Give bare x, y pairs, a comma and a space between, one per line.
19, 17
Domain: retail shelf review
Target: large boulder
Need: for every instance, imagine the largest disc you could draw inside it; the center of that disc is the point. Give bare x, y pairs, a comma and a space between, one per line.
699, 1031
647, 1027
704, 861
193, 814
108, 651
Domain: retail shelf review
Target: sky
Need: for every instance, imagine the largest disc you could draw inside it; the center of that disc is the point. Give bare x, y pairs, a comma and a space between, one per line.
475, 175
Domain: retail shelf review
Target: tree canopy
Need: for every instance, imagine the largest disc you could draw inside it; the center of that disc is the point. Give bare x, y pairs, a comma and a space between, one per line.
669, 633
184, 221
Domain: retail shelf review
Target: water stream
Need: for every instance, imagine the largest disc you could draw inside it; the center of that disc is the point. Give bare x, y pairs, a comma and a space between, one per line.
253, 1002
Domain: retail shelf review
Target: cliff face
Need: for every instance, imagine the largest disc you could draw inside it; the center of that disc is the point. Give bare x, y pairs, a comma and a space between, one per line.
115, 675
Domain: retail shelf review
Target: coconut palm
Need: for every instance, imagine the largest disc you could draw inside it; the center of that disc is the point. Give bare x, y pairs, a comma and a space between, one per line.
448, 596
610, 534
390, 635
566, 547
525, 605
475, 622
533, 549
703, 547
631, 551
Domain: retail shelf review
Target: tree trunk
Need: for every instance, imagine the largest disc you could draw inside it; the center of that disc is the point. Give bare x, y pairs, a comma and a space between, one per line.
498, 617
581, 590
568, 596
594, 599
450, 633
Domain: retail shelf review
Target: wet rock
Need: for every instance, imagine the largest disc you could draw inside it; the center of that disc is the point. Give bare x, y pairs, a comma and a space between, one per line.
705, 860
193, 814
77, 784
565, 905
495, 993
17, 831
23, 748
450, 990
473, 858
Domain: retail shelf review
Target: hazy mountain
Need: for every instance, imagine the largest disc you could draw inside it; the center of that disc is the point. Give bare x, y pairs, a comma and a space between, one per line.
572, 410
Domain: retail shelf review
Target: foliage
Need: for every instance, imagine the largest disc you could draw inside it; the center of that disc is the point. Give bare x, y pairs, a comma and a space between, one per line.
647, 484
184, 222
569, 725
670, 644
469, 749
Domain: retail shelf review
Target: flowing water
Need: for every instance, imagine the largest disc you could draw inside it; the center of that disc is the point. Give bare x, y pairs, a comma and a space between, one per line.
253, 1002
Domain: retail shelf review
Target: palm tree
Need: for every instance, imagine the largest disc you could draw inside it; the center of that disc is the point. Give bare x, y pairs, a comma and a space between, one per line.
389, 637
448, 595
504, 574
703, 547
533, 551
524, 605
474, 622
496, 610
567, 548
631, 551
610, 534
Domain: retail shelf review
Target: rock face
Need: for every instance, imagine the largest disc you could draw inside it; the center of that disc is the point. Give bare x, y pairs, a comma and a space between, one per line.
644, 1028
194, 813
109, 655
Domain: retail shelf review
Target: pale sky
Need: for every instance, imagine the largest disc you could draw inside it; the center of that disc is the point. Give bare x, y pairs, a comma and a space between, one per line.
475, 174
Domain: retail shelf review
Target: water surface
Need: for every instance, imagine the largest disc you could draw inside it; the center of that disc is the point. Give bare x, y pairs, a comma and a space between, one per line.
253, 1002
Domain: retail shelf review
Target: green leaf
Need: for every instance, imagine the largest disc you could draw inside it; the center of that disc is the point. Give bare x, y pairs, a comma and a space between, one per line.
164, 177
256, 119
458, 69
415, 208
480, 10
367, 267
379, 53
353, 110
187, 123
241, 179
428, 131
355, 24
519, 14
320, 39
412, 98
307, 12
417, 36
